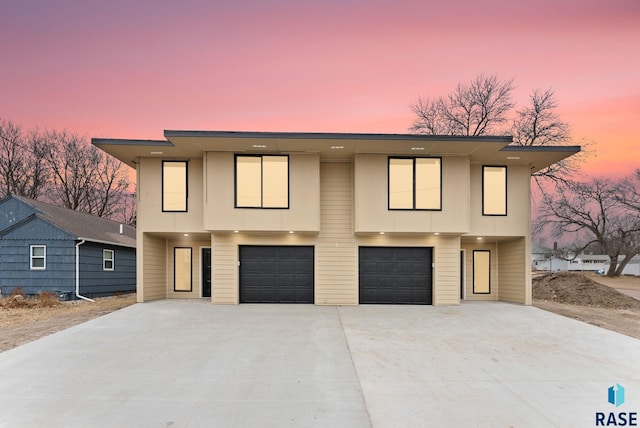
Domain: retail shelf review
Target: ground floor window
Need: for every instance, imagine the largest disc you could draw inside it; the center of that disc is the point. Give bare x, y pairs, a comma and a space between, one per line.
182, 269
38, 257
481, 272
107, 259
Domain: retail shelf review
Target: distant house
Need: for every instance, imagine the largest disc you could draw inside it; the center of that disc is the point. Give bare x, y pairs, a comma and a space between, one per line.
543, 258
48, 248
589, 263
546, 259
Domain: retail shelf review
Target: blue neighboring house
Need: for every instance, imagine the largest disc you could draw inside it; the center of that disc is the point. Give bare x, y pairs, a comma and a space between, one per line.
44, 247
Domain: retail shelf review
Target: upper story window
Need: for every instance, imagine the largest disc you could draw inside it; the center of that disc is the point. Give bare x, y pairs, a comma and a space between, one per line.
107, 259
415, 183
494, 190
38, 257
262, 181
174, 186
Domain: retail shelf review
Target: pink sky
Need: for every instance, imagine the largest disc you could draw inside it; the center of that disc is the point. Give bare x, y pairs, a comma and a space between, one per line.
126, 69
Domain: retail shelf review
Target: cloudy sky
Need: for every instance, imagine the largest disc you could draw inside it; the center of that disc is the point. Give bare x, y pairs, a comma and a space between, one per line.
130, 69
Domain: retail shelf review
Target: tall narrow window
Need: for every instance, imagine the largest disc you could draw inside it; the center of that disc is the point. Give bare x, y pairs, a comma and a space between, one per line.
415, 184
107, 259
481, 272
174, 186
182, 269
262, 181
38, 257
494, 190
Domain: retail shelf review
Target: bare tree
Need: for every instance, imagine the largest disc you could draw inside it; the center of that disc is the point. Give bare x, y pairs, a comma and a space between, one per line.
538, 124
592, 212
22, 168
479, 107
629, 197
84, 179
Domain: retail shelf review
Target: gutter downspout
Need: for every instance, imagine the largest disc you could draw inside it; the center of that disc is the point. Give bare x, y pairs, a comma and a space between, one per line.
78, 272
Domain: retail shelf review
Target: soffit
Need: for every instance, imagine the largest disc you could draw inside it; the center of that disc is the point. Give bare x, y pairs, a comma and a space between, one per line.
193, 144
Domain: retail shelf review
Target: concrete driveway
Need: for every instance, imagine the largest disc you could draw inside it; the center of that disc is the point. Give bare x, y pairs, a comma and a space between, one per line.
178, 363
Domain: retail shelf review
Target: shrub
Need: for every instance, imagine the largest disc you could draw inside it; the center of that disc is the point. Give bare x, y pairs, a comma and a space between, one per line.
47, 299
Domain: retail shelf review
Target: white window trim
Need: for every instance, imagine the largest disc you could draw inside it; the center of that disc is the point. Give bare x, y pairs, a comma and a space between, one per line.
112, 259
32, 257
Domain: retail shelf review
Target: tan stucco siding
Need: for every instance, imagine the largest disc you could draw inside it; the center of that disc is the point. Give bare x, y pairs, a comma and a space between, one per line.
150, 215
303, 214
151, 268
494, 278
336, 270
372, 212
516, 222
514, 273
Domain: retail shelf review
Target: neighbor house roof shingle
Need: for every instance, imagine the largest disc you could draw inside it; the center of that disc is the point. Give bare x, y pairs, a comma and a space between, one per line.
84, 226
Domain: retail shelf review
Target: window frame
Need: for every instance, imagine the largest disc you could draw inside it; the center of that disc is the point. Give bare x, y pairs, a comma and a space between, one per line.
235, 181
506, 188
389, 158
190, 269
186, 185
105, 259
473, 260
43, 257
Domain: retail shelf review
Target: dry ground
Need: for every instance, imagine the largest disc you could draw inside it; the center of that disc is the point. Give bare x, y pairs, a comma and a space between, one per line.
19, 325
585, 297
574, 295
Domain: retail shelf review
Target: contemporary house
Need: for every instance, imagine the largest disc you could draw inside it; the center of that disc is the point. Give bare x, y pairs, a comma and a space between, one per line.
44, 247
333, 219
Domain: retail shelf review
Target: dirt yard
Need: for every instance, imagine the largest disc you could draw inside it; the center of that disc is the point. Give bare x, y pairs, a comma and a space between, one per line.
591, 298
573, 295
30, 320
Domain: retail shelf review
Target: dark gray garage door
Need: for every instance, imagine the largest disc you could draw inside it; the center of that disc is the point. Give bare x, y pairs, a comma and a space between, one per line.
395, 275
276, 274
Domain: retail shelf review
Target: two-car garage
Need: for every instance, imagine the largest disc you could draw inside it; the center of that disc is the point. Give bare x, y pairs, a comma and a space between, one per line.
386, 275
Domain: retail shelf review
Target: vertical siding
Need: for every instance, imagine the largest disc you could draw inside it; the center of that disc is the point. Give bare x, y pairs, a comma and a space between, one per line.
515, 284
95, 281
152, 268
336, 261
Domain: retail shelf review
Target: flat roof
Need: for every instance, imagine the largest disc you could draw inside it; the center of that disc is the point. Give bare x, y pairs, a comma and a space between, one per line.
335, 146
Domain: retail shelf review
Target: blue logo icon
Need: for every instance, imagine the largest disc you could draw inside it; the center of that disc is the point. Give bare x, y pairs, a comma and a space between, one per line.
616, 395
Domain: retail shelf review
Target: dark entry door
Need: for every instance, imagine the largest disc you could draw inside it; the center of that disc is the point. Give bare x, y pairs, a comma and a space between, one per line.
395, 275
206, 272
276, 274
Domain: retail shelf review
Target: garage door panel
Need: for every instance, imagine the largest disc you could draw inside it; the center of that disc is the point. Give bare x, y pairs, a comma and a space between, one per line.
276, 274
395, 275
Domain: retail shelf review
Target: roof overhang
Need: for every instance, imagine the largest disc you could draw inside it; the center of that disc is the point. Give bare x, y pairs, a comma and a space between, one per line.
332, 146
